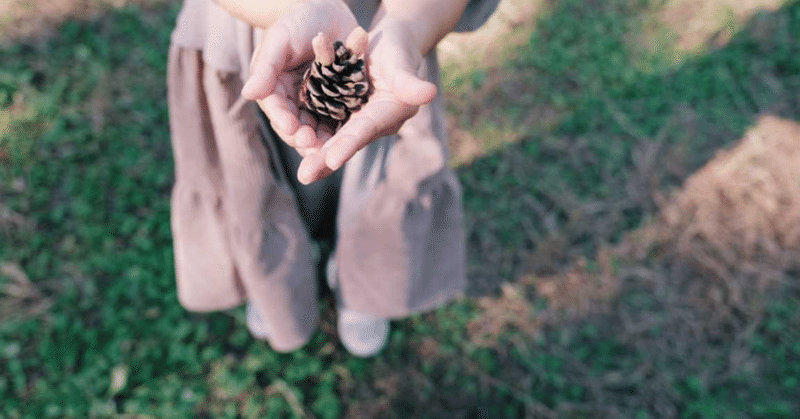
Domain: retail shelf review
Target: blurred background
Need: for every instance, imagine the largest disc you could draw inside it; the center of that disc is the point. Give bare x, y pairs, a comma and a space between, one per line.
631, 174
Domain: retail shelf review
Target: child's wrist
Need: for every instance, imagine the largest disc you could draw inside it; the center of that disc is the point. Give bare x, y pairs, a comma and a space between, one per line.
413, 33
427, 22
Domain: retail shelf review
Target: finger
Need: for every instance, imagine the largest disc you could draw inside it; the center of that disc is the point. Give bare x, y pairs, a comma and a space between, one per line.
323, 49
281, 112
305, 135
286, 138
310, 138
305, 152
357, 41
377, 118
282, 115
313, 168
411, 89
269, 60
401, 72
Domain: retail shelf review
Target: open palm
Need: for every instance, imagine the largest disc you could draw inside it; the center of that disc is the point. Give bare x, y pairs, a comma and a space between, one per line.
398, 92
394, 66
278, 64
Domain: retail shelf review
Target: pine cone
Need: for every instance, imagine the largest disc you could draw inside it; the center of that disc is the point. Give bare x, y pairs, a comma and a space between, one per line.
337, 83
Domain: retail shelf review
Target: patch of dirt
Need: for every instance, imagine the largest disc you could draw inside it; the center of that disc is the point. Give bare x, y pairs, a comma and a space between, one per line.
743, 208
509, 313
697, 23
509, 26
479, 103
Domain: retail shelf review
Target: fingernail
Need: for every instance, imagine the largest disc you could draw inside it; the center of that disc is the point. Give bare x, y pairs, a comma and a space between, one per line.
303, 177
358, 40
333, 163
323, 49
304, 172
330, 159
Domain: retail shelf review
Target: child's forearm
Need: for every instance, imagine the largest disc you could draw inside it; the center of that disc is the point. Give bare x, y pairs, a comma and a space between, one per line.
255, 12
263, 13
429, 20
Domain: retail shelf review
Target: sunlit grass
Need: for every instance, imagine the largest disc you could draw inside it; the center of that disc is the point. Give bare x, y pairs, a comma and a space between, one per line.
679, 29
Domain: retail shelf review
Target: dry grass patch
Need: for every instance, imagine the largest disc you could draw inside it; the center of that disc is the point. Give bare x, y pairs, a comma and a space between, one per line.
19, 297
736, 219
485, 97
691, 25
742, 210
510, 26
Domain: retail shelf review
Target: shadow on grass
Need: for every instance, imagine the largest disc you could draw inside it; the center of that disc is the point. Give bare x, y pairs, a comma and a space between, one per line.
596, 334
634, 127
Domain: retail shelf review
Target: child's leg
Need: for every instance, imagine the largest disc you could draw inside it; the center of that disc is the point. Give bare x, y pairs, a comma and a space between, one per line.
401, 244
237, 229
204, 266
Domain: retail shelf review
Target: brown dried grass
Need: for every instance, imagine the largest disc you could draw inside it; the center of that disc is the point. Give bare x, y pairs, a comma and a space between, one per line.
736, 221
684, 294
698, 23
19, 297
742, 210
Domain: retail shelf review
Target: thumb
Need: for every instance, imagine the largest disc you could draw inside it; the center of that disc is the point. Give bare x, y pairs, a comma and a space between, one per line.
411, 89
268, 62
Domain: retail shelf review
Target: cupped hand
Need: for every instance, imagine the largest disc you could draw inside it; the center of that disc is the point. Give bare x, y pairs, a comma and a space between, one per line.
278, 63
394, 64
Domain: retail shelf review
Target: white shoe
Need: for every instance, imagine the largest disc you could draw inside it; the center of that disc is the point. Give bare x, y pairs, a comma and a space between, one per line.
256, 325
363, 335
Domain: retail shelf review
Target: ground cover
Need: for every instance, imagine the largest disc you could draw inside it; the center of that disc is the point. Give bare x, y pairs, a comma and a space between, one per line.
585, 151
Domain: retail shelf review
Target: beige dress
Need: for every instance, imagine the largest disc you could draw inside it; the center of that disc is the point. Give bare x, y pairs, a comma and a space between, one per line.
237, 223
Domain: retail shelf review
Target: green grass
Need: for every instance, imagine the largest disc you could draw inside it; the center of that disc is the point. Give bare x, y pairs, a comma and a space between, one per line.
97, 331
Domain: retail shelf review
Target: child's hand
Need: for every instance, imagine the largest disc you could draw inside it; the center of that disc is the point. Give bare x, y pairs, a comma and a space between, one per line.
277, 69
393, 62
